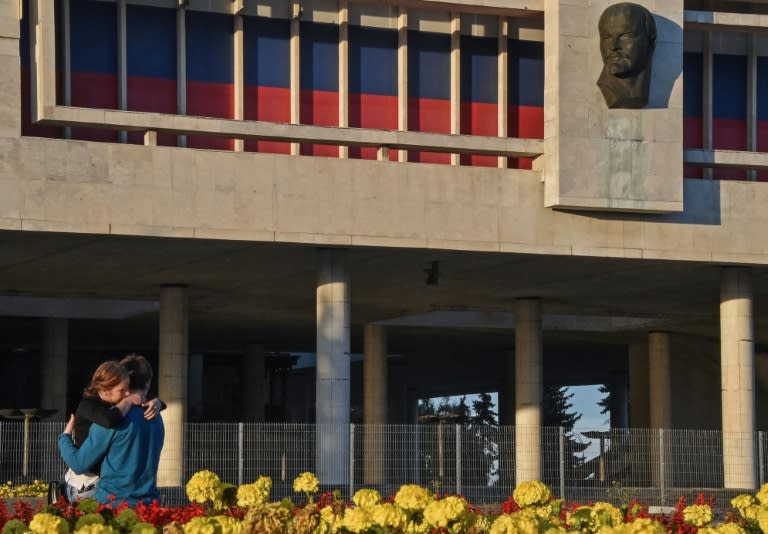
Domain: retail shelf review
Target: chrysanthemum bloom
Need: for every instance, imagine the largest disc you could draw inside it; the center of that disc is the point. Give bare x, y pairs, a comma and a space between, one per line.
605, 514
254, 494
742, 501
229, 525
530, 493
388, 515
644, 526
698, 515
44, 523
306, 483
96, 528
329, 521
203, 487
515, 523
729, 528
202, 525
762, 518
442, 513
413, 497
762, 494
366, 497
357, 520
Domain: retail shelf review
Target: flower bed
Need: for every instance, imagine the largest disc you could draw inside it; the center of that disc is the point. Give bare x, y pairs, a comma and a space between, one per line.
221, 508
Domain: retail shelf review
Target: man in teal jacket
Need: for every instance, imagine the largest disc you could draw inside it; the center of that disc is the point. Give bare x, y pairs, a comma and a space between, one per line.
129, 453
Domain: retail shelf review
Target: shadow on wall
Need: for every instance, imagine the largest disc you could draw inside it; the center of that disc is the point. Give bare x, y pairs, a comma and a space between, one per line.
667, 65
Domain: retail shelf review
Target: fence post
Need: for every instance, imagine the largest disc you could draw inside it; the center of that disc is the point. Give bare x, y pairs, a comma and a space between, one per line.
662, 474
240, 454
458, 459
351, 460
561, 452
760, 458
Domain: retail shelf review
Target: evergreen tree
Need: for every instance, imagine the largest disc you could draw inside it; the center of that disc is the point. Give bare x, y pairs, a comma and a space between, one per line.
483, 411
558, 412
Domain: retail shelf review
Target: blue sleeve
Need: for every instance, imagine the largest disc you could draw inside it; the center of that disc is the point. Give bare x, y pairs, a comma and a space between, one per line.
91, 451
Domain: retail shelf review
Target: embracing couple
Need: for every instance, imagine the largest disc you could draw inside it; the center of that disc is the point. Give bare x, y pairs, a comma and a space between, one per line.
113, 441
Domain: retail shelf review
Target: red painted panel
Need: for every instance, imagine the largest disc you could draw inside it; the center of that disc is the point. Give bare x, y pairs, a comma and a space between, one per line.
729, 134
270, 104
478, 118
429, 115
525, 122
94, 90
372, 111
157, 95
320, 108
692, 138
206, 99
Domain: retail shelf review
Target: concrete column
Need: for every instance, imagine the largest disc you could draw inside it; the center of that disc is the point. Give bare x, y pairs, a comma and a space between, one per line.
172, 381
54, 367
639, 405
332, 384
374, 402
660, 380
253, 384
737, 375
528, 390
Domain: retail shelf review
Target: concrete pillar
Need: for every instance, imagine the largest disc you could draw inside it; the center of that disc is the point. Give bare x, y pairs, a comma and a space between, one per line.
252, 384
374, 402
172, 381
639, 404
660, 380
54, 367
737, 375
332, 384
528, 390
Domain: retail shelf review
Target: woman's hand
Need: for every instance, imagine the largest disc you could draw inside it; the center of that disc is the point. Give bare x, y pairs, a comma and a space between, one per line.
70, 425
152, 408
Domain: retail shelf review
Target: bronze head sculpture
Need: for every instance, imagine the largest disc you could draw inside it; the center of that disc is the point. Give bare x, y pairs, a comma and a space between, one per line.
627, 42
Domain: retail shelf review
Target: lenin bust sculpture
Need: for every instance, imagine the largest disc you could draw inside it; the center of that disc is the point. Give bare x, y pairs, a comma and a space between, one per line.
627, 41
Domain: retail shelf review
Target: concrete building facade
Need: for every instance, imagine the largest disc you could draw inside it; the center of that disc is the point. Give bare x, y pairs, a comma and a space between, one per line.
227, 185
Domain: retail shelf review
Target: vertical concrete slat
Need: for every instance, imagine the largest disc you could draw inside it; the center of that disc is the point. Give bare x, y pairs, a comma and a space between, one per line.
66, 58
455, 80
172, 381
122, 63
333, 367
42, 57
528, 390
343, 72
503, 85
238, 64
402, 76
295, 68
181, 67
707, 110
737, 364
752, 100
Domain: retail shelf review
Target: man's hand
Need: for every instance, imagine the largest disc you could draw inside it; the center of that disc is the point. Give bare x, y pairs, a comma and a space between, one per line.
152, 408
70, 425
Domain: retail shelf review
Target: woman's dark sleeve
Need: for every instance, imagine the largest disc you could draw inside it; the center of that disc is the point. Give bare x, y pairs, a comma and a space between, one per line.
100, 413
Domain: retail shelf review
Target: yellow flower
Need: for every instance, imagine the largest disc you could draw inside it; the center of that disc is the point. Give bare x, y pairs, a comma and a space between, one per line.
229, 525
388, 515
329, 521
44, 523
762, 494
442, 513
204, 486
254, 494
366, 497
413, 497
740, 502
728, 528
530, 493
605, 515
515, 523
644, 526
412, 526
96, 528
306, 483
357, 520
698, 515
202, 525
762, 518
750, 512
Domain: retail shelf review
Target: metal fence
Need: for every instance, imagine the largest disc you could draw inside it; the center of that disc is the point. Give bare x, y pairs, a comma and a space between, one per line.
657, 467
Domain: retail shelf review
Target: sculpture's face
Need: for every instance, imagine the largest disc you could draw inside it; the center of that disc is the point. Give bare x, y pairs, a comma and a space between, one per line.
624, 43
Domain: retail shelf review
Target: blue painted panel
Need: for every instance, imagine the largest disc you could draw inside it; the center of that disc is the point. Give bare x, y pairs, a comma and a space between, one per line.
319, 56
267, 51
729, 86
479, 69
372, 61
151, 41
93, 36
762, 88
210, 47
692, 84
526, 73
429, 65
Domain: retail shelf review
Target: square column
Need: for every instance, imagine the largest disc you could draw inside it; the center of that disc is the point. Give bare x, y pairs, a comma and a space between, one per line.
54, 366
528, 390
375, 377
172, 381
737, 375
332, 383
